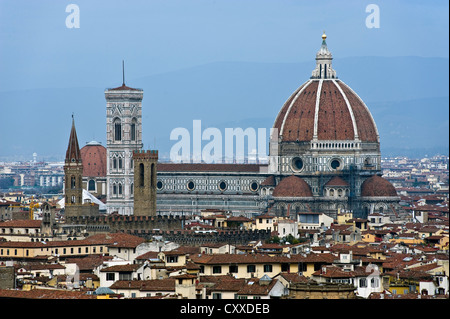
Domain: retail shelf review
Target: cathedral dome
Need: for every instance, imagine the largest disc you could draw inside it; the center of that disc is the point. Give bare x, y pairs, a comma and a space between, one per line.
292, 186
325, 109
377, 186
93, 156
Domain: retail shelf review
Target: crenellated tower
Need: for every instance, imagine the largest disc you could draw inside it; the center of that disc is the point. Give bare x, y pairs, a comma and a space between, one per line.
145, 163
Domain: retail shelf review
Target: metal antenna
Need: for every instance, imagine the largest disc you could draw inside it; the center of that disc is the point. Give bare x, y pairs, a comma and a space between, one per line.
123, 73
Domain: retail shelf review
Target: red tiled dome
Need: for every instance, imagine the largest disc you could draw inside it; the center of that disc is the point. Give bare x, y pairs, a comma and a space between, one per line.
325, 108
377, 186
292, 186
93, 156
336, 113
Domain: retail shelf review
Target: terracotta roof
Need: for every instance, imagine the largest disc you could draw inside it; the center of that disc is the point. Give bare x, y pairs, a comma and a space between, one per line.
292, 186
41, 266
293, 277
427, 267
148, 255
123, 87
337, 181
269, 181
94, 160
254, 287
124, 240
335, 272
238, 219
414, 274
111, 239
121, 268
44, 294
167, 284
265, 216
182, 250
296, 119
377, 186
88, 263
21, 224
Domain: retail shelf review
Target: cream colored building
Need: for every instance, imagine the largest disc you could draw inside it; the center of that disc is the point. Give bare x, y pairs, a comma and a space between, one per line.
20, 230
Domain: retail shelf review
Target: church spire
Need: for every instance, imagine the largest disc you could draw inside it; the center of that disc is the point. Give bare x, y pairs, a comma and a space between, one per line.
324, 57
73, 154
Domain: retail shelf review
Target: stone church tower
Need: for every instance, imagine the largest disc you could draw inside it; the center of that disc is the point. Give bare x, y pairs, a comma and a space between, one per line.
73, 174
73, 183
145, 182
124, 135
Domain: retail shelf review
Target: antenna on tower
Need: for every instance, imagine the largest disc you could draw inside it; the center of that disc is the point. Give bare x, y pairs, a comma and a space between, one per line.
123, 73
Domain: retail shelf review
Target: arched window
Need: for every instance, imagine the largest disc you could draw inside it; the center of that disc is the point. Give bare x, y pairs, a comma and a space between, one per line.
133, 129
152, 175
91, 185
72, 182
117, 130
141, 174
120, 189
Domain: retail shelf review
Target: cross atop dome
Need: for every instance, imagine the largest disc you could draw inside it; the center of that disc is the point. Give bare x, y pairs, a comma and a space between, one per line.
324, 57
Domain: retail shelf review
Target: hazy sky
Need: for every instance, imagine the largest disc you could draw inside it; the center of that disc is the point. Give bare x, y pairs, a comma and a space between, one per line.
38, 50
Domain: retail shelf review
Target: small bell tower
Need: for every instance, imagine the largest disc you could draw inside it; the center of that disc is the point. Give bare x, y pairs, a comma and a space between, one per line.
73, 175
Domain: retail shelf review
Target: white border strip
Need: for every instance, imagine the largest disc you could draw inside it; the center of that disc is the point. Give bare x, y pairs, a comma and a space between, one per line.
316, 114
355, 128
367, 109
292, 103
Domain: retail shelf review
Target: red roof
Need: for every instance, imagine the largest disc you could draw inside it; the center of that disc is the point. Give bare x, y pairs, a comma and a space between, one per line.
21, 223
269, 181
94, 160
45, 294
292, 186
123, 87
337, 181
296, 119
377, 186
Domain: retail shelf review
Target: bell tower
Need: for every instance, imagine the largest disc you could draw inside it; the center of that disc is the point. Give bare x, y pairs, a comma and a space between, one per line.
145, 182
73, 181
123, 135
73, 174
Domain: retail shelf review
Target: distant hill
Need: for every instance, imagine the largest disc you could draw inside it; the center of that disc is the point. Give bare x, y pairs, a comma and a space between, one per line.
408, 97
